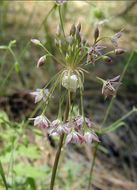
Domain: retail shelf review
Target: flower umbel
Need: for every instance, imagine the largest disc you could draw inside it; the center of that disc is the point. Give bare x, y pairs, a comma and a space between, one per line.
75, 54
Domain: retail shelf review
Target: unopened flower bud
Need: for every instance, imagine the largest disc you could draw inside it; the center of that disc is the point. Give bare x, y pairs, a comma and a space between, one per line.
78, 36
35, 41
41, 61
119, 51
96, 33
70, 81
79, 27
73, 30
107, 59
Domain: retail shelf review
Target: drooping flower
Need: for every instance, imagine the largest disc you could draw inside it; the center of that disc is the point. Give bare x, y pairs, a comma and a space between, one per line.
89, 137
58, 128
80, 121
97, 49
110, 86
75, 137
41, 121
40, 94
115, 38
94, 52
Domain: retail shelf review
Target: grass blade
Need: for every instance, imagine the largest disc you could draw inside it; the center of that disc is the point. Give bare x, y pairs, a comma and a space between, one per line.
3, 176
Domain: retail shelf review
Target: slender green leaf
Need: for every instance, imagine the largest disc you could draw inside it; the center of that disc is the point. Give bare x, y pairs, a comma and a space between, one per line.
113, 127
3, 176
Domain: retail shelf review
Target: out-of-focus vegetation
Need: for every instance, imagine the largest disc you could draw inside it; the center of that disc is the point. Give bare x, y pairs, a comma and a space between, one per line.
26, 155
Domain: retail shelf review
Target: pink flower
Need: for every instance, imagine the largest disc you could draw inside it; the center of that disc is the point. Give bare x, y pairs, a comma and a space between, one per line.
96, 49
75, 137
115, 38
59, 128
41, 121
80, 121
90, 137
110, 86
40, 94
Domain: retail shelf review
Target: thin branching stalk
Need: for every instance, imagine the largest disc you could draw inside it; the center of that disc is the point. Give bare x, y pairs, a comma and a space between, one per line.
92, 165
55, 166
54, 170
61, 21
17, 70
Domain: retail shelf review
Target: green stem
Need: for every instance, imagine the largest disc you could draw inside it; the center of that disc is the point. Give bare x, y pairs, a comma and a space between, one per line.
55, 166
56, 162
92, 166
19, 71
8, 75
51, 54
45, 19
61, 21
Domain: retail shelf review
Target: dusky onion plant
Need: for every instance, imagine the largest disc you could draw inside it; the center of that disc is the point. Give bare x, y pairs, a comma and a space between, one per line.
76, 53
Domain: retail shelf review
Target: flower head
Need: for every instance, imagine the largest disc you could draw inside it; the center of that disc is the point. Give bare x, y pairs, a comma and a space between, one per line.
89, 137
41, 121
40, 94
110, 86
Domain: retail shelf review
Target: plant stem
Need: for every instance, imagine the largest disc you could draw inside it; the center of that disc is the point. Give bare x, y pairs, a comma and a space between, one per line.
56, 162
61, 21
55, 166
92, 166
